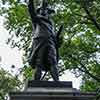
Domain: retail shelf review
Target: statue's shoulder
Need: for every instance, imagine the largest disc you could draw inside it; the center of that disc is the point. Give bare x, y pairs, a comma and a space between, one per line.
41, 16
44, 19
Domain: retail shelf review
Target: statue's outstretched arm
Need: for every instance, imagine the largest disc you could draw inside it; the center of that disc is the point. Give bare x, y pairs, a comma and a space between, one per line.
31, 9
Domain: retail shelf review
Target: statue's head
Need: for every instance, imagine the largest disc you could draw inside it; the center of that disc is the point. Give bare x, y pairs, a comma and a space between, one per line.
44, 10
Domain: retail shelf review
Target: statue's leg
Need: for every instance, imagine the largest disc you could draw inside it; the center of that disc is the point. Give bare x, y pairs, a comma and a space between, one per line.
52, 59
38, 73
54, 73
39, 59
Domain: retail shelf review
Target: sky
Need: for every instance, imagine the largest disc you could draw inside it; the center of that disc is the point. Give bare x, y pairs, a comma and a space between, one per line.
11, 57
8, 56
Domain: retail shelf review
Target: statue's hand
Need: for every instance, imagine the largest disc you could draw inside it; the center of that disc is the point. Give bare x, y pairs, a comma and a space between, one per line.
29, 1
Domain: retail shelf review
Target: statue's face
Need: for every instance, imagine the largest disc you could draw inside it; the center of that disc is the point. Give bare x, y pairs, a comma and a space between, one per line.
44, 12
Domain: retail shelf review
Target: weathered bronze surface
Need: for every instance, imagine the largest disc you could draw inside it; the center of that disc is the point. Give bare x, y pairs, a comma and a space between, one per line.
44, 51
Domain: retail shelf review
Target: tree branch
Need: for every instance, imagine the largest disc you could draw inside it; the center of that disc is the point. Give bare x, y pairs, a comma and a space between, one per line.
85, 69
2, 97
90, 74
90, 16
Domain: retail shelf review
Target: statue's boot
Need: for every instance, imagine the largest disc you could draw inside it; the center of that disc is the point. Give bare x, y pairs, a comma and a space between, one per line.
38, 73
54, 73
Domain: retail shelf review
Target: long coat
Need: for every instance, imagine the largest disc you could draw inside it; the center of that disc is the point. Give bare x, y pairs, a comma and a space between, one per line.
43, 51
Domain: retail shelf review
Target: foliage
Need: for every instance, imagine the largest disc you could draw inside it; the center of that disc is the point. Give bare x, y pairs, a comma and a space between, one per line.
80, 50
8, 83
27, 73
89, 85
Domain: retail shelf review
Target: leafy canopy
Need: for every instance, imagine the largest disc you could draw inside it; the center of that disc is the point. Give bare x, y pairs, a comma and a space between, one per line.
8, 83
80, 50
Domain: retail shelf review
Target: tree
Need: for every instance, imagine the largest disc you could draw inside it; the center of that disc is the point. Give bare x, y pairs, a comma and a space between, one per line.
81, 36
8, 83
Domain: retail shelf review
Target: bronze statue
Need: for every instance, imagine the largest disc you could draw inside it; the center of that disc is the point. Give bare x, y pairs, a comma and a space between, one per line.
44, 51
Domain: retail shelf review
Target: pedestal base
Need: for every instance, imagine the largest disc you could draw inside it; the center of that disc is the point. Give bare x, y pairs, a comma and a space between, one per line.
41, 91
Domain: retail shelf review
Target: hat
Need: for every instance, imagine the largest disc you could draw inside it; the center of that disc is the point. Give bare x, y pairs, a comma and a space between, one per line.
50, 11
44, 4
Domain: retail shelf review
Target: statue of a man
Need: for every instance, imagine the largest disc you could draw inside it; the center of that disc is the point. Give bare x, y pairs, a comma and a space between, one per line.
43, 54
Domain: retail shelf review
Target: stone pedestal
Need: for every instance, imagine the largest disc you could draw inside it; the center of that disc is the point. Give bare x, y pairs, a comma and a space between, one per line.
44, 90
